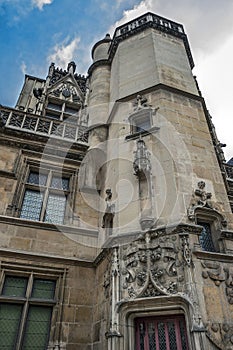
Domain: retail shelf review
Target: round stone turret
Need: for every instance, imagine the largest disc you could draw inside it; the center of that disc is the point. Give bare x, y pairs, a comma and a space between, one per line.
100, 49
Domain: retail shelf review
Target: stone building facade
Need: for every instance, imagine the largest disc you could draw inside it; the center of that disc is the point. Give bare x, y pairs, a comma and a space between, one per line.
116, 225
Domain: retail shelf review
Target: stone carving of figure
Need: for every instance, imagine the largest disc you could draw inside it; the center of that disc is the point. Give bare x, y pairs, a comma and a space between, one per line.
204, 197
107, 221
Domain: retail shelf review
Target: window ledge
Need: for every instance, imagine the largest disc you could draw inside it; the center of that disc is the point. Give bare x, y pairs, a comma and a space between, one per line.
142, 133
212, 255
48, 226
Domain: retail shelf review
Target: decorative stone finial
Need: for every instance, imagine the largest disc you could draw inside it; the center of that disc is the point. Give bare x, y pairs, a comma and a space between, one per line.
71, 67
140, 102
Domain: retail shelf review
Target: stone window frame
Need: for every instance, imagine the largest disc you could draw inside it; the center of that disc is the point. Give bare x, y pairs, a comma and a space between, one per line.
214, 219
58, 275
27, 164
62, 114
143, 115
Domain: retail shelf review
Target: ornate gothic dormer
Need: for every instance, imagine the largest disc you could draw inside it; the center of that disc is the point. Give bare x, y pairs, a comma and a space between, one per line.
55, 74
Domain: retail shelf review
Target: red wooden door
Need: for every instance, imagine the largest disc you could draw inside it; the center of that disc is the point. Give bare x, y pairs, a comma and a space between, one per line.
161, 333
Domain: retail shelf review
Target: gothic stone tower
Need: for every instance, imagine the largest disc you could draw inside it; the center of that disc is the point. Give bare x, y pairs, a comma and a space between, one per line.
116, 223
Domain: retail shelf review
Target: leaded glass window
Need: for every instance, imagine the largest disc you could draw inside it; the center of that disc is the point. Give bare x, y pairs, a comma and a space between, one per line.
205, 238
43, 289
142, 125
32, 205
161, 333
141, 121
62, 111
14, 286
23, 323
55, 209
37, 328
10, 315
45, 197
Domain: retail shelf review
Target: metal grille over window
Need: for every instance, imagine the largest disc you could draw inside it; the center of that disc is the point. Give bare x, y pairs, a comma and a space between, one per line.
151, 335
45, 197
205, 238
25, 324
172, 335
161, 333
162, 336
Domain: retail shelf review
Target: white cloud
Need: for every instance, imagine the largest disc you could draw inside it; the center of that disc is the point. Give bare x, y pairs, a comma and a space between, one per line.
40, 3
64, 53
208, 23
215, 75
23, 67
136, 11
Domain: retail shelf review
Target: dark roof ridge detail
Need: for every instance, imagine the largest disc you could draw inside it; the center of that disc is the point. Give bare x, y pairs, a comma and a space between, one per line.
149, 20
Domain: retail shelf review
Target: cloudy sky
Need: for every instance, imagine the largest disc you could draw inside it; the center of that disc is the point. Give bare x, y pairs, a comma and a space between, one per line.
34, 33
